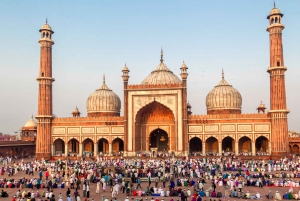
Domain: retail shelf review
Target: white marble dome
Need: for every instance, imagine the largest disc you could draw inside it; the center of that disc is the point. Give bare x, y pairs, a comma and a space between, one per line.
31, 123
274, 11
103, 100
224, 97
46, 26
161, 75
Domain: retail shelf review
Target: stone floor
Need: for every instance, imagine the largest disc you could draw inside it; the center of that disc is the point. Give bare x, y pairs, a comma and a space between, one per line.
263, 191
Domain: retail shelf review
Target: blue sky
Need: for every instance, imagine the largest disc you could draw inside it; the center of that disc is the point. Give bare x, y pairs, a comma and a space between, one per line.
93, 38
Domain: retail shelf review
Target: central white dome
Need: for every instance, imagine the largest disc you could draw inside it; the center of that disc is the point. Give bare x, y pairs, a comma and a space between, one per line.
161, 75
103, 100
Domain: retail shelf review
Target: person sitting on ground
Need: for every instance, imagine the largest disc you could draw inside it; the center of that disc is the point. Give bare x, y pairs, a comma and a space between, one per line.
277, 196
235, 193
219, 194
286, 196
247, 195
257, 195
202, 193
269, 196
213, 194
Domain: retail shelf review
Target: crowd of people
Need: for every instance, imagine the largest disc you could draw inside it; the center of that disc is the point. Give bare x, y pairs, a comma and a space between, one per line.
194, 178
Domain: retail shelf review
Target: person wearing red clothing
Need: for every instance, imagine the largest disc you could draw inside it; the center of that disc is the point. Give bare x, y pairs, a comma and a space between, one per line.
47, 175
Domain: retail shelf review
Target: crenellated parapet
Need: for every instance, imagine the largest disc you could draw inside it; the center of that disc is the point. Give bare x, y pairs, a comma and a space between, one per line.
154, 86
229, 116
88, 119
214, 118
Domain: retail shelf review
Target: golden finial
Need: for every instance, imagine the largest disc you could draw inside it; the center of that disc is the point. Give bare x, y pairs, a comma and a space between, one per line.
274, 4
161, 56
222, 73
103, 78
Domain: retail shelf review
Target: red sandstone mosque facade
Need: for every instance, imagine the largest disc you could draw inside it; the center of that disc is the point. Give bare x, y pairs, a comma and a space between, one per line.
158, 117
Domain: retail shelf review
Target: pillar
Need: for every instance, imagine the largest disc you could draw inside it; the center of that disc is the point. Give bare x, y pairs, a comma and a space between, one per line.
45, 80
253, 148
66, 149
278, 109
236, 148
53, 149
80, 149
203, 149
95, 149
220, 148
109, 149
125, 77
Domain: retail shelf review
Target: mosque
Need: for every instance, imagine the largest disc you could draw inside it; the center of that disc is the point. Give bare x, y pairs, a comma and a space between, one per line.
157, 116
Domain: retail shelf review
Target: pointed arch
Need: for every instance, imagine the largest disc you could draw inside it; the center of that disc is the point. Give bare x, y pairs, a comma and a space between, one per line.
59, 146
145, 112
117, 145
147, 120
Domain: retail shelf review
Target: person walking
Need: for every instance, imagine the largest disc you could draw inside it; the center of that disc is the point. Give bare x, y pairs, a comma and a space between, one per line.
84, 190
138, 183
98, 187
87, 191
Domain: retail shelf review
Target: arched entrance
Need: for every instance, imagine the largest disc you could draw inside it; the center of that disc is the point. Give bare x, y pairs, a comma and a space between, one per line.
59, 147
103, 146
88, 147
159, 139
245, 145
195, 145
228, 144
261, 144
295, 149
154, 115
73, 146
117, 145
211, 146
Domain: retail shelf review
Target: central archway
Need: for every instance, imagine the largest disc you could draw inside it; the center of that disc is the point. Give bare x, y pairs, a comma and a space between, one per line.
159, 139
154, 116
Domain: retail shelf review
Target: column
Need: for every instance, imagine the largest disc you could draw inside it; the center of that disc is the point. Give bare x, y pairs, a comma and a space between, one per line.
109, 149
203, 148
220, 148
66, 149
253, 148
53, 149
80, 149
236, 148
95, 149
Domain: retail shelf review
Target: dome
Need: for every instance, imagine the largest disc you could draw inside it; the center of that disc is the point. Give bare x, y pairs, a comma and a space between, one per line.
125, 68
102, 101
46, 26
223, 97
161, 75
274, 11
31, 123
261, 106
76, 110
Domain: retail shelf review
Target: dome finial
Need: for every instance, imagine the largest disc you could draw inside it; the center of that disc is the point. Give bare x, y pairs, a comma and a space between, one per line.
274, 4
32, 116
46, 20
103, 78
222, 73
161, 56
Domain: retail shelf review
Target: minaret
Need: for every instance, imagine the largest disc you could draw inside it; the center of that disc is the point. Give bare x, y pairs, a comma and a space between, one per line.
45, 115
278, 110
125, 77
184, 76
